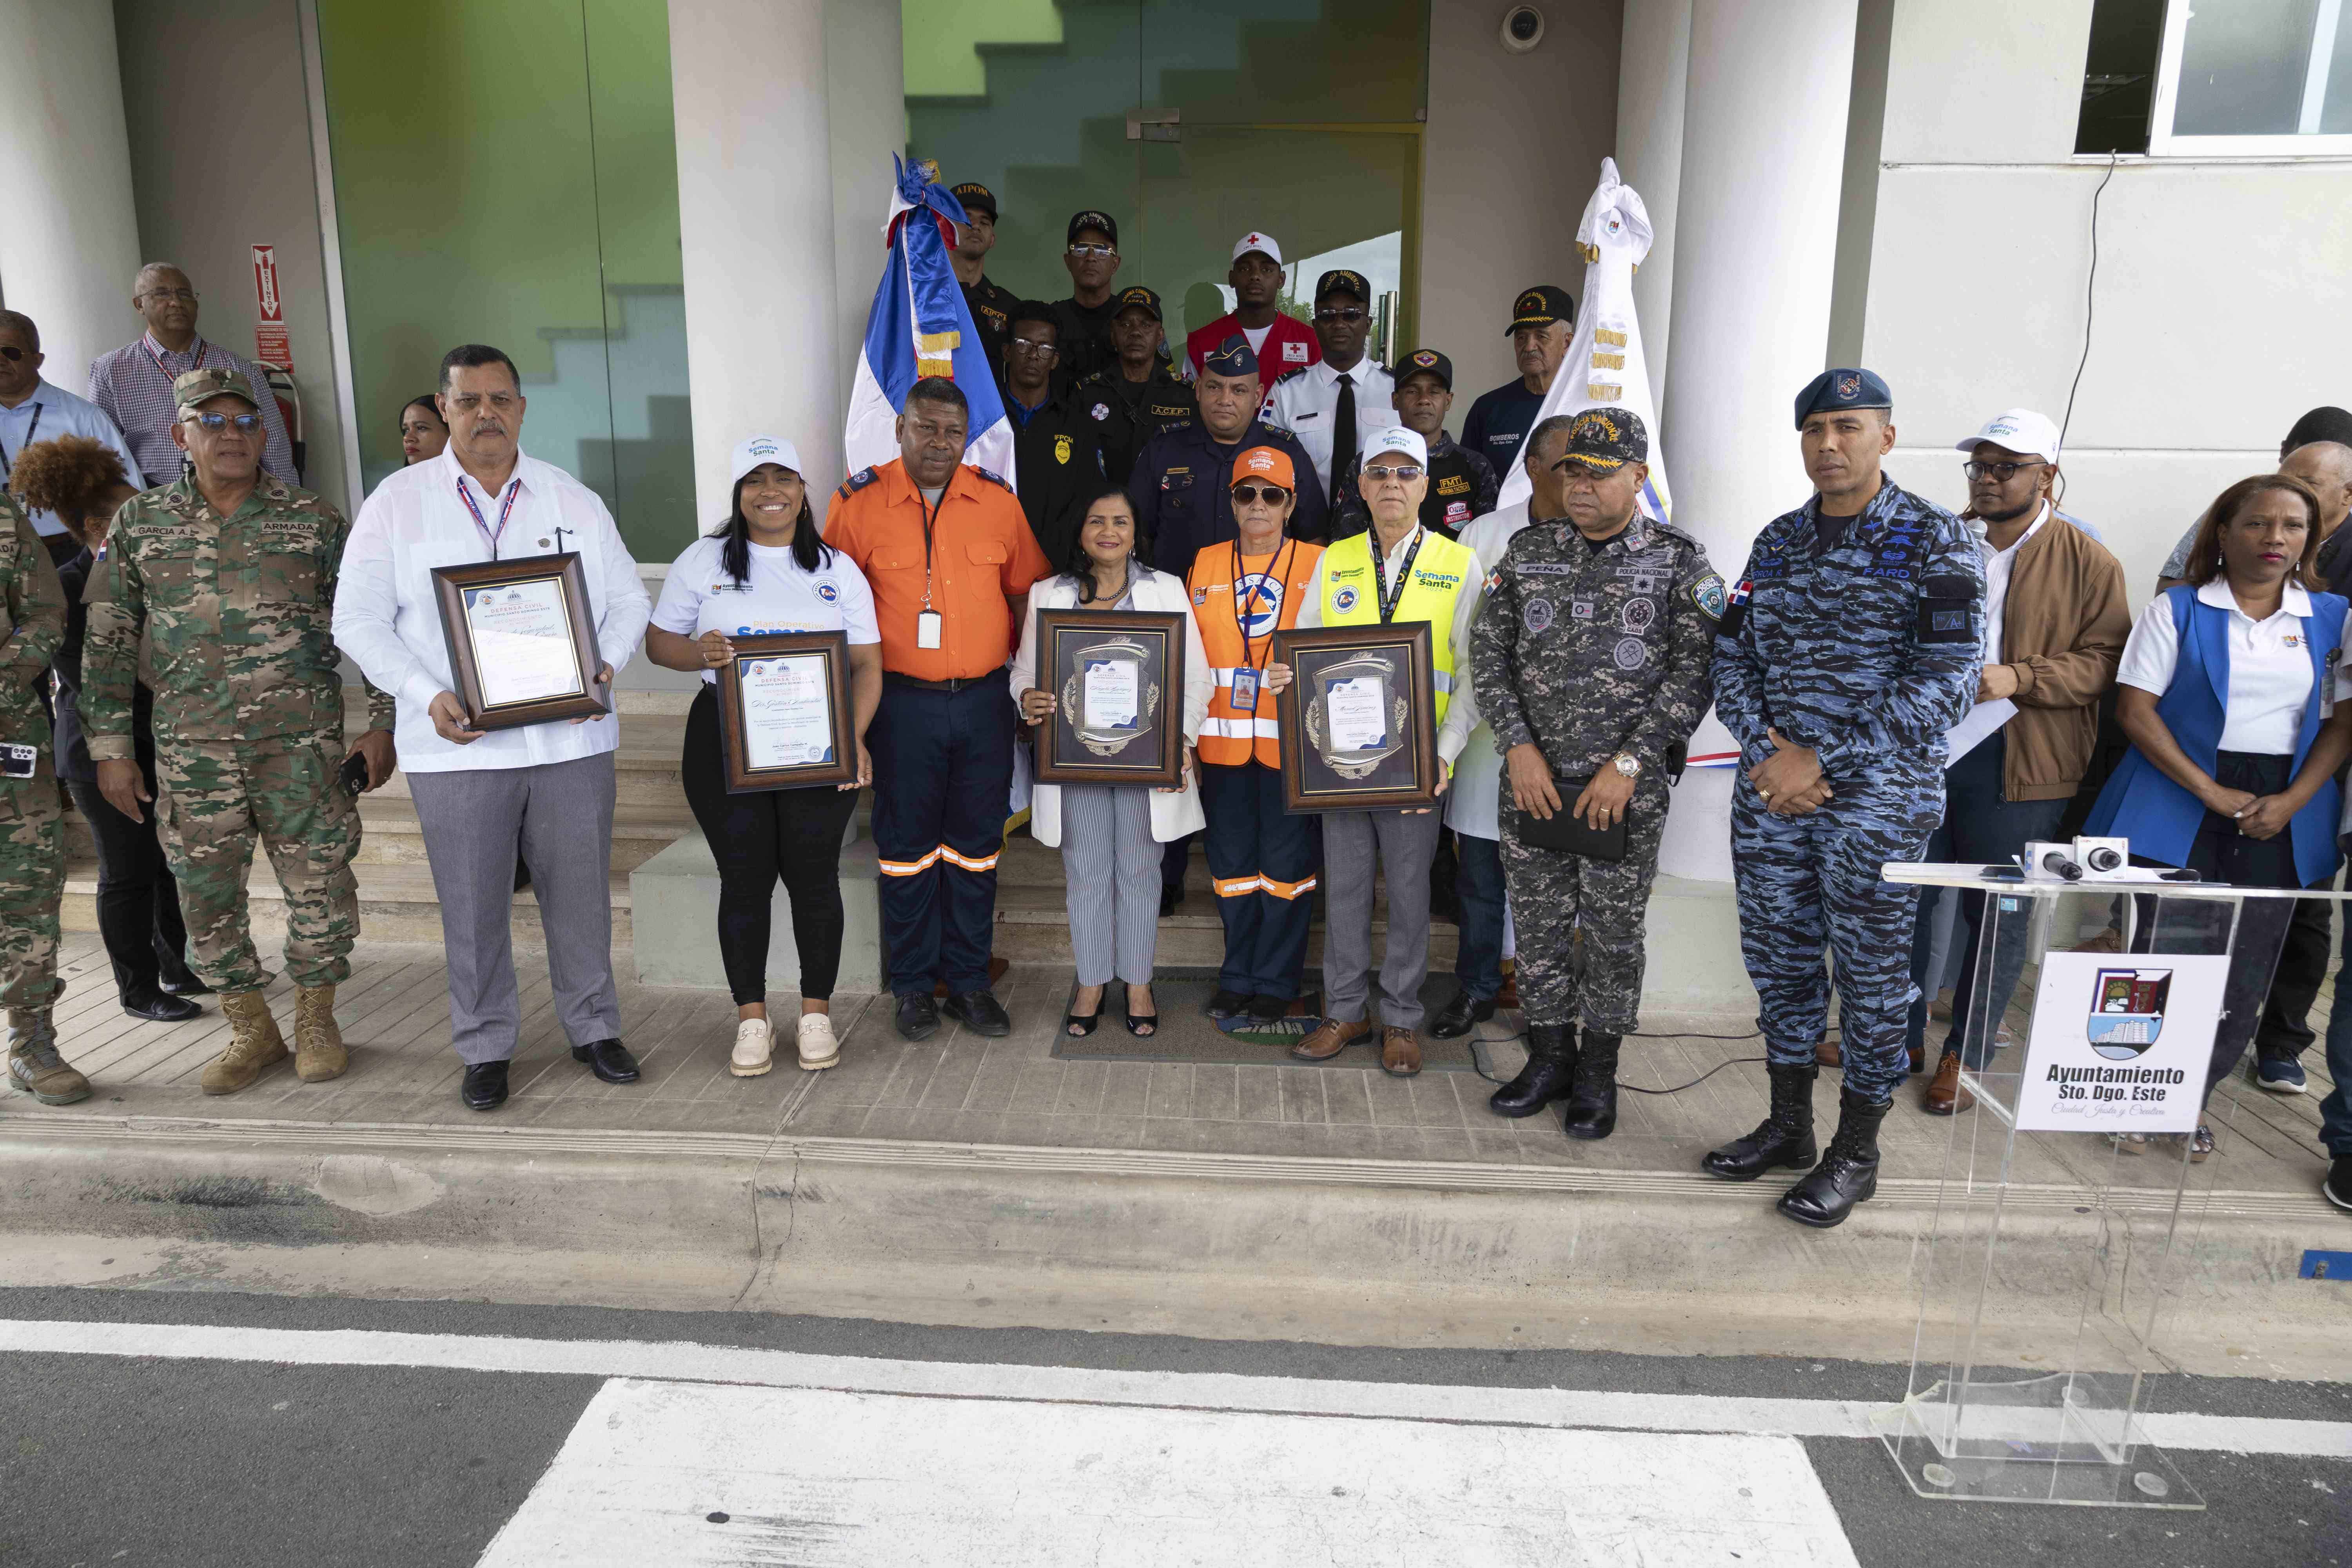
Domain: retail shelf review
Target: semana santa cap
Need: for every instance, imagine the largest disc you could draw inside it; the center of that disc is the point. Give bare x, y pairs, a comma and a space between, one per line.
1268, 464
2021, 431
1396, 439
758, 449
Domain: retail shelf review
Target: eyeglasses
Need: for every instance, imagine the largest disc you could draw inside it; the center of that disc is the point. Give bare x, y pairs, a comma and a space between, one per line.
1999, 473
184, 296
11, 353
1403, 473
1250, 495
246, 422
1085, 252
1033, 346
1351, 315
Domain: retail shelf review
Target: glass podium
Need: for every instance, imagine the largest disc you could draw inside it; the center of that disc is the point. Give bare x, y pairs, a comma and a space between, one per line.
2070, 1212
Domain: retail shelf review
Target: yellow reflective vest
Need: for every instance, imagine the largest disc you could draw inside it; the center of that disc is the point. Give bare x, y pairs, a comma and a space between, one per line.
1440, 576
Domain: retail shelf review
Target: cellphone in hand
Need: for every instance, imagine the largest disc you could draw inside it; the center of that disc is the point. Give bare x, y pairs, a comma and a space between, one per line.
354, 776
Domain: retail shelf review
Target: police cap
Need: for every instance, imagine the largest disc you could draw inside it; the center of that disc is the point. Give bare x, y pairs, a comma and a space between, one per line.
1141, 299
975, 197
1541, 307
1342, 281
201, 385
1232, 357
1605, 439
1838, 389
1082, 221
1427, 362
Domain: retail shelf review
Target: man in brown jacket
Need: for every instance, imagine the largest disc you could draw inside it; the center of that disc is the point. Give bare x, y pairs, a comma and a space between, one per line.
2055, 621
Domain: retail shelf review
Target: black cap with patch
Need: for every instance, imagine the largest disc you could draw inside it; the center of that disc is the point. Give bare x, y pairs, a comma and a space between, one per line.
1427, 362
1342, 281
975, 197
1606, 439
1141, 299
1081, 222
1541, 307
1839, 389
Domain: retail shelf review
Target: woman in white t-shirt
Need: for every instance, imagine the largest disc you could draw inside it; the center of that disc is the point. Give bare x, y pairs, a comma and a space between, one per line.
767, 571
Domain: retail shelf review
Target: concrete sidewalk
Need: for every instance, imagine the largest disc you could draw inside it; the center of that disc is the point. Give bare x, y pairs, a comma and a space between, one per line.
987, 1183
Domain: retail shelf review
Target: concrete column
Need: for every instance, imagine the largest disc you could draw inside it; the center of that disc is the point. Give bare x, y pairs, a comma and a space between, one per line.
69, 243
1763, 156
755, 193
866, 75
1651, 80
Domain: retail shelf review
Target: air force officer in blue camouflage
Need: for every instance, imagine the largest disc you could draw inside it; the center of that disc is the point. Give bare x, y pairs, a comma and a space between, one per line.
1850, 645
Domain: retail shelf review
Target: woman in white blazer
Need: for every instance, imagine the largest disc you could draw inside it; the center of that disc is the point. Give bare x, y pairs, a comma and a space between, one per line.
1110, 835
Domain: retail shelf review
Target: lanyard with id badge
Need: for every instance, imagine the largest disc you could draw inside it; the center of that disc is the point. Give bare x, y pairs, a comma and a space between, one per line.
1250, 676
928, 624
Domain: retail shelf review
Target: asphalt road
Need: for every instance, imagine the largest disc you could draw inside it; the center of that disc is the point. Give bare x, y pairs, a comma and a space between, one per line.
146, 1459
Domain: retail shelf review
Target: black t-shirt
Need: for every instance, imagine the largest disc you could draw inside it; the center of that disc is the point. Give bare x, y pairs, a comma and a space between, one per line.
1499, 421
1084, 334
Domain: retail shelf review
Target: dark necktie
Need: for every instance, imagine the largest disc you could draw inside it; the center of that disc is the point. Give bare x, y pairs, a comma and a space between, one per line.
1343, 437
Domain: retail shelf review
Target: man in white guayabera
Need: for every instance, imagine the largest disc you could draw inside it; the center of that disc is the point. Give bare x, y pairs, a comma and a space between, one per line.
544, 791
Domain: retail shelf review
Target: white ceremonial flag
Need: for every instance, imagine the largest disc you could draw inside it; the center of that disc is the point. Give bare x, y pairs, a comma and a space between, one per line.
1605, 367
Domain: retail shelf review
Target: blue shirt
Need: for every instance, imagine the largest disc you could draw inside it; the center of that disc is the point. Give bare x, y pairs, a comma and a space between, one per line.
52, 412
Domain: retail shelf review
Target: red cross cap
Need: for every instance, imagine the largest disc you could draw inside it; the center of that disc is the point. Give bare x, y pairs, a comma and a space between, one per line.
1260, 244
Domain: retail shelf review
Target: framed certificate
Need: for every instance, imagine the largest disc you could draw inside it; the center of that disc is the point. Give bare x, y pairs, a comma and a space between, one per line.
523, 649
1117, 677
1358, 718
784, 718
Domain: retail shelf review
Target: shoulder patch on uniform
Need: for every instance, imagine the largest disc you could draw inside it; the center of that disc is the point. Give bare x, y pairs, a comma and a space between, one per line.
997, 480
1708, 595
1494, 579
856, 482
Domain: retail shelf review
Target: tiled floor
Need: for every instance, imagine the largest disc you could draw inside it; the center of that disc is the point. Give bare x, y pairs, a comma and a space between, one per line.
964, 1089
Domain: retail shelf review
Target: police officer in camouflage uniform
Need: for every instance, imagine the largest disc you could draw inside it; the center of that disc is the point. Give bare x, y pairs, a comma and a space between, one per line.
216, 592
1590, 659
1850, 645
32, 832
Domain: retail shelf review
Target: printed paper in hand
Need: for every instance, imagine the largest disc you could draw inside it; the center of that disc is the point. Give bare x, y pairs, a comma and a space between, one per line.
1355, 708
1112, 700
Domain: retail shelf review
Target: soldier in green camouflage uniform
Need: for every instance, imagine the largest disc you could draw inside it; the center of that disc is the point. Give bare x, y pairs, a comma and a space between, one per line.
32, 832
216, 592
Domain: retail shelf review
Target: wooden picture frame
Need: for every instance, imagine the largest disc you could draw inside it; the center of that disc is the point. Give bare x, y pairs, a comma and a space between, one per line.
1399, 771
543, 665
1141, 655
765, 725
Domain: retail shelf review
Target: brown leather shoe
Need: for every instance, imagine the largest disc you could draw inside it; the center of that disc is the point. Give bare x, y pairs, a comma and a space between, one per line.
1329, 1040
1826, 1052
1400, 1053
1945, 1095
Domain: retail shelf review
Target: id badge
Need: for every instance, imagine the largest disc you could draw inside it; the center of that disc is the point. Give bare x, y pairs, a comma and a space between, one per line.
926, 629
1244, 698
19, 761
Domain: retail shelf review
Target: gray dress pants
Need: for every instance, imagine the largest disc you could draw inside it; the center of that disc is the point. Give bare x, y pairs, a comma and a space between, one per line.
1405, 842
559, 816
1111, 863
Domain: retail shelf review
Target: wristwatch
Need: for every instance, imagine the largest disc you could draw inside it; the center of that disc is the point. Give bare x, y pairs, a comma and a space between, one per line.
1629, 764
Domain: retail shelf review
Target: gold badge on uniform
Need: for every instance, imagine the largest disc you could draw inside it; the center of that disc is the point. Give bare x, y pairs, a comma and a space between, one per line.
1061, 448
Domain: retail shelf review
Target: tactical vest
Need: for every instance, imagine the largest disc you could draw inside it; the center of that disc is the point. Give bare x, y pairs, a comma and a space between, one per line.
1441, 574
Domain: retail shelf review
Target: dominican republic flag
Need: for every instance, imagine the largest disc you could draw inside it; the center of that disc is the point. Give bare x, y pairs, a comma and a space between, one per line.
920, 327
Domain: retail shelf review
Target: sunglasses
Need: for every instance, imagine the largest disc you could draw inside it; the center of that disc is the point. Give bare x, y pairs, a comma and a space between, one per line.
11, 353
1349, 315
246, 423
1090, 250
1405, 473
1250, 495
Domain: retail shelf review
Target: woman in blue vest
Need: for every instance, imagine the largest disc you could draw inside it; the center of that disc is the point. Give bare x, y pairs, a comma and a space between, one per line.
2229, 689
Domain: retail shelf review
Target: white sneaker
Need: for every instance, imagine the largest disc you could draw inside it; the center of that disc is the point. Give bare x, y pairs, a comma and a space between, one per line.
818, 1047
754, 1046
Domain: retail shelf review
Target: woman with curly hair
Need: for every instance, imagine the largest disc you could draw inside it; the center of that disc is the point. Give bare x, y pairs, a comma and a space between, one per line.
82, 482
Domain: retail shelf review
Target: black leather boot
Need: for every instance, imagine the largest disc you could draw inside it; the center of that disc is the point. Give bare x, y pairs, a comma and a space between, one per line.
1550, 1070
1593, 1100
1784, 1137
1848, 1172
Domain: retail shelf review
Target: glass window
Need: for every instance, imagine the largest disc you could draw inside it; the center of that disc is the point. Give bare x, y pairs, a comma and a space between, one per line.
2255, 77
507, 175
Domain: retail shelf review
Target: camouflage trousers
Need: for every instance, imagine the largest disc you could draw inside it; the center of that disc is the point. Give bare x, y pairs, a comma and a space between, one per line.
212, 798
1579, 922
1809, 883
32, 884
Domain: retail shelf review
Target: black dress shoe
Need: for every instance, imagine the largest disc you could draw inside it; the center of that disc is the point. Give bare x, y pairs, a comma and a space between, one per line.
162, 1009
486, 1086
608, 1059
1461, 1015
980, 1011
918, 1015
1227, 1003
185, 986
1268, 1009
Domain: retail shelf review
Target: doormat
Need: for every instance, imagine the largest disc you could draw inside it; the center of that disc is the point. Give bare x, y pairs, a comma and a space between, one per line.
1187, 1034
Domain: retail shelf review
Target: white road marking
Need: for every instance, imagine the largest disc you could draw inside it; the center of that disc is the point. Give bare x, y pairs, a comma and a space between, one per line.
829, 1479
684, 1362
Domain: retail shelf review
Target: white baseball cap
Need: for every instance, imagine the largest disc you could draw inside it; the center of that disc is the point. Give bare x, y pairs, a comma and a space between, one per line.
2021, 431
1396, 439
758, 449
1261, 243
